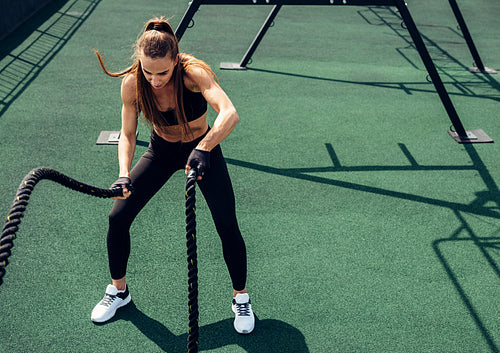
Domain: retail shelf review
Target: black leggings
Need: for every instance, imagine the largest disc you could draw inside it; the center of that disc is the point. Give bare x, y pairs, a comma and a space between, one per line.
150, 173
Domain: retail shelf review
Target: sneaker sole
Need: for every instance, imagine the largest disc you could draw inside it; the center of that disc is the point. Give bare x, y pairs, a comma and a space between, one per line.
113, 312
242, 332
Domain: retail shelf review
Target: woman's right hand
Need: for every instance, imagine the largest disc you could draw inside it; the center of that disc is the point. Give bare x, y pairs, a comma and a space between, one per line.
126, 184
126, 194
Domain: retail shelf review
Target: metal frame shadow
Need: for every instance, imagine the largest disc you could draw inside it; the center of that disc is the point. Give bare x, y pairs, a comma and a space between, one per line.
478, 207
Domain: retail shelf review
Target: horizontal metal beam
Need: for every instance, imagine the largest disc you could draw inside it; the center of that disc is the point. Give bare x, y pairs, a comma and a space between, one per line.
301, 2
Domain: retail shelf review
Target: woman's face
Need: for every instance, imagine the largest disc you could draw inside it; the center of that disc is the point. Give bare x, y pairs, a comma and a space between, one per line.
158, 71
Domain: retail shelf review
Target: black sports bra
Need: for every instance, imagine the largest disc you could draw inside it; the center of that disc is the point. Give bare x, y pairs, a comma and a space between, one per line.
195, 106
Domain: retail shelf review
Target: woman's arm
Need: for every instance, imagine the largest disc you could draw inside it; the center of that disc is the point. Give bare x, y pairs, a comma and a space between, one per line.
127, 141
227, 118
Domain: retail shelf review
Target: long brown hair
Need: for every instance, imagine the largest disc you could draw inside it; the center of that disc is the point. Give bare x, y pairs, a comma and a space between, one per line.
156, 41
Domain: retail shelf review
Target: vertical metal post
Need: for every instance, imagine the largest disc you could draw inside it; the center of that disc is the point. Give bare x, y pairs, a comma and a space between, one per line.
431, 68
466, 33
251, 50
468, 38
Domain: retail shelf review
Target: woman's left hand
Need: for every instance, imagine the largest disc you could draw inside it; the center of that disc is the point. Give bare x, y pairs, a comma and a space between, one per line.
200, 161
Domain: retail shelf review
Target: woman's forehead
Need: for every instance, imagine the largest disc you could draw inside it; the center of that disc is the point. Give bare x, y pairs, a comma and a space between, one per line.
157, 65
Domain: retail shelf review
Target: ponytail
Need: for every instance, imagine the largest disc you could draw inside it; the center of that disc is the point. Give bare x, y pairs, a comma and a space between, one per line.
159, 24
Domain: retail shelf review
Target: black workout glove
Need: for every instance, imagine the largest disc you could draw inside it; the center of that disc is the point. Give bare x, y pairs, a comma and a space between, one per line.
200, 161
122, 182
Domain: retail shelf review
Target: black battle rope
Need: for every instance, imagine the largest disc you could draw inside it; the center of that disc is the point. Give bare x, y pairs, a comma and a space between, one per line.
192, 261
21, 201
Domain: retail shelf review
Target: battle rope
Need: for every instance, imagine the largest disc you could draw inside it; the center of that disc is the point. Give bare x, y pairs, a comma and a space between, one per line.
21, 201
192, 261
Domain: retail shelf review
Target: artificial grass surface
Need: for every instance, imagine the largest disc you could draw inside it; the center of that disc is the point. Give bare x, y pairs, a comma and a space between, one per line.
368, 228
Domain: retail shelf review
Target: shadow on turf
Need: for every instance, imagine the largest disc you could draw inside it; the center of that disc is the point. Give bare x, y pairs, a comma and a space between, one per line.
407, 87
488, 246
304, 174
448, 65
41, 37
269, 335
389, 17
486, 204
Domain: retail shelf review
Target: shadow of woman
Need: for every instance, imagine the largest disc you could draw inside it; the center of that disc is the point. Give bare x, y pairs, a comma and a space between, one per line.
269, 335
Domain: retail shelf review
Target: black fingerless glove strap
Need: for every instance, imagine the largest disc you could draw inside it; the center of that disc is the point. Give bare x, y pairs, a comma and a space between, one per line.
200, 160
121, 182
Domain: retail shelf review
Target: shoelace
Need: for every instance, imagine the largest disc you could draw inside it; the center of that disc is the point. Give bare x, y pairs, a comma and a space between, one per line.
108, 300
243, 309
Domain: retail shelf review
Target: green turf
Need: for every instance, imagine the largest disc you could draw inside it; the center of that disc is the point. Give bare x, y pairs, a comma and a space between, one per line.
368, 228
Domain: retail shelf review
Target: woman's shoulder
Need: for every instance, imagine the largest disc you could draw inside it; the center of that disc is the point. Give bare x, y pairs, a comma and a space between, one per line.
195, 74
129, 87
191, 79
129, 80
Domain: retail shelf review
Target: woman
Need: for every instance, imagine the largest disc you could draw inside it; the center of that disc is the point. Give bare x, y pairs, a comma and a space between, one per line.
172, 89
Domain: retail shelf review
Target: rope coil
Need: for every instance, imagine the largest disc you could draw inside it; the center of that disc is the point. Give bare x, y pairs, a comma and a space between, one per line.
192, 260
21, 201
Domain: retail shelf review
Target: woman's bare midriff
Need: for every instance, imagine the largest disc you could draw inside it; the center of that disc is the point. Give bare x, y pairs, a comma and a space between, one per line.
175, 133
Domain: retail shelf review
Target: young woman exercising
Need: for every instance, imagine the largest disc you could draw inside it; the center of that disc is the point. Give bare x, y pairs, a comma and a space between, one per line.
172, 89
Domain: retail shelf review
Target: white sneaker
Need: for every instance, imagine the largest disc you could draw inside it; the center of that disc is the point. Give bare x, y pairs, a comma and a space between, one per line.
112, 300
244, 320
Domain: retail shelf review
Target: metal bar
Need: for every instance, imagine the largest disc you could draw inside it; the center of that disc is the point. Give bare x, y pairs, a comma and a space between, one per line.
467, 36
193, 6
269, 20
301, 2
431, 68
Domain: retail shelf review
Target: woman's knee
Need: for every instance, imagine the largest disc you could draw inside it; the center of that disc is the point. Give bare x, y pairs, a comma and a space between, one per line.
118, 218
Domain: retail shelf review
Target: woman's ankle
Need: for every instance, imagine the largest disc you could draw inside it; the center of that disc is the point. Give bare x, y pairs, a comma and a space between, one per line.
235, 292
120, 284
